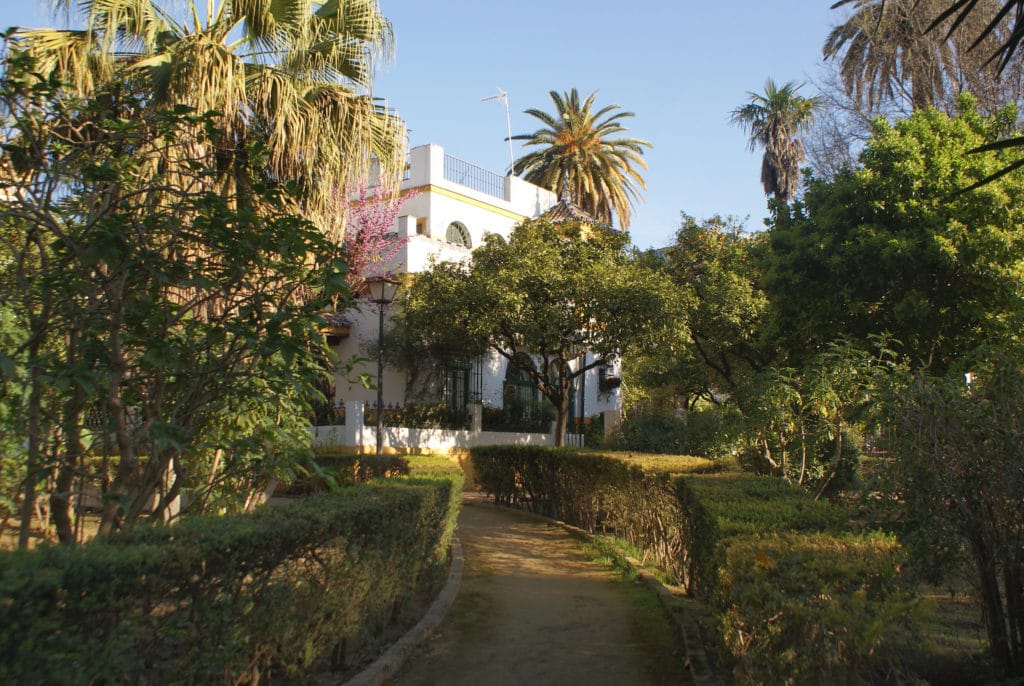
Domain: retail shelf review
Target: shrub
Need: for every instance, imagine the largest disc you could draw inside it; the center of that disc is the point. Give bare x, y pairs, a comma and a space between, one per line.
280, 594
520, 416
815, 609
710, 432
659, 433
420, 416
329, 471
709, 532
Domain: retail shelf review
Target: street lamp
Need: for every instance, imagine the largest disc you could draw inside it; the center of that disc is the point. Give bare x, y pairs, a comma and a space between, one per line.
382, 293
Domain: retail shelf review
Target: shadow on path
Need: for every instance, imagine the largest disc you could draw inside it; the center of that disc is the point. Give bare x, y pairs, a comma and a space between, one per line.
534, 610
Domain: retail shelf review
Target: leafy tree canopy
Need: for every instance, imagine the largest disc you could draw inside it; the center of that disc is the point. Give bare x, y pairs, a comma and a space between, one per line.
718, 280
166, 322
551, 291
895, 248
774, 119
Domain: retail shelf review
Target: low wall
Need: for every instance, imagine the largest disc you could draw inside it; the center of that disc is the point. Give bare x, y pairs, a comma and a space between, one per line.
354, 437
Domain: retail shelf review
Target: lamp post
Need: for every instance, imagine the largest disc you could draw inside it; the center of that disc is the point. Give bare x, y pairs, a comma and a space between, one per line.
382, 293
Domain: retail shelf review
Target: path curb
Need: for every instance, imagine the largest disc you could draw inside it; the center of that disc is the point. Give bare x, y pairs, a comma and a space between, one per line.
388, 664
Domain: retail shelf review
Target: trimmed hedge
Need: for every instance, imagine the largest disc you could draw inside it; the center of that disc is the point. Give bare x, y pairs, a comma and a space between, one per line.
816, 609
717, 508
330, 470
754, 547
283, 593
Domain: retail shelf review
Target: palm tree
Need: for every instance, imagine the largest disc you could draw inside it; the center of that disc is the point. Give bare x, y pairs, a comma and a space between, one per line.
577, 154
887, 53
298, 81
774, 119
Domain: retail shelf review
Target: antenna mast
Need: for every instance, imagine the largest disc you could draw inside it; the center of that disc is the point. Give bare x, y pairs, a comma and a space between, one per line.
503, 96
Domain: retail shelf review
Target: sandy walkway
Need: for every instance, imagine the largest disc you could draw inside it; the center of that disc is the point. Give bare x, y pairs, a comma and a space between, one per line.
533, 610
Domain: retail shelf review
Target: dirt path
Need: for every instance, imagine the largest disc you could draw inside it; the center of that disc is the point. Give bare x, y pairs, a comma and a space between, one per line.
534, 610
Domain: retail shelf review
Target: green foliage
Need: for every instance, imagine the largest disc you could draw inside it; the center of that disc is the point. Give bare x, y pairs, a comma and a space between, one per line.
181, 314
771, 560
710, 431
774, 119
652, 433
717, 508
281, 594
957, 484
519, 414
328, 471
538, 300
895, 248
804, 425
420, 416
816, 609
723, 310
578, 155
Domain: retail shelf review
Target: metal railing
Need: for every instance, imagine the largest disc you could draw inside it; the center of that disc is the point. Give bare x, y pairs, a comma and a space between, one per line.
472, 176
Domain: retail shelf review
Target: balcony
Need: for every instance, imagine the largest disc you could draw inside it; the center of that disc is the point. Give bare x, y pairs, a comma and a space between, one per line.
474, 177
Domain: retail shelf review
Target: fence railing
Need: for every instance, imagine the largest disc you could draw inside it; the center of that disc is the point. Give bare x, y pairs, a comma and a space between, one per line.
359, 434
472, 176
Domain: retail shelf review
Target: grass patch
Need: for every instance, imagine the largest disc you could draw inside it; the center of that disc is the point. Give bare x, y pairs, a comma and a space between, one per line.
954, 651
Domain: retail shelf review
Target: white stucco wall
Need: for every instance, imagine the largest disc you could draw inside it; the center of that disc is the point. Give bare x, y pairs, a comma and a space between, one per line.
436, 203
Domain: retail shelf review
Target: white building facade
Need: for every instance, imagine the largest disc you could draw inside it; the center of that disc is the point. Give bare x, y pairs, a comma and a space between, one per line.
452, 206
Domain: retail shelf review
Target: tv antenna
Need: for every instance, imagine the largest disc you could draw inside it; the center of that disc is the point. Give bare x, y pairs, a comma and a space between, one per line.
503, 96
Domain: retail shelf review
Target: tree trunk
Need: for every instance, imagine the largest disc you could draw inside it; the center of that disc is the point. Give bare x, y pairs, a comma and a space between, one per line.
992, 602
561, 421
127, 463
1015, 613
60, 498
35, 441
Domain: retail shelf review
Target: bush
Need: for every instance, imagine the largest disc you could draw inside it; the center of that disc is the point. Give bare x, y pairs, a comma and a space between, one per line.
329, 471
708, 432
658, 433
520, 416
708, 532
280, 594
815, 609
420, 416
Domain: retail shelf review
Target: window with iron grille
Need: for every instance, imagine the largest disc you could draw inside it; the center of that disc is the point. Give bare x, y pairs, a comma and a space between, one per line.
457, 384
458, 234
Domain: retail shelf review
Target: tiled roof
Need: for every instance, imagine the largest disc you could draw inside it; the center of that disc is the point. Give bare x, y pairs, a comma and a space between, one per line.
565, 210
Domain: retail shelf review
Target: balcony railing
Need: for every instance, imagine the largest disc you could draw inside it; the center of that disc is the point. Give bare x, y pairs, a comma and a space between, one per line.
474, 177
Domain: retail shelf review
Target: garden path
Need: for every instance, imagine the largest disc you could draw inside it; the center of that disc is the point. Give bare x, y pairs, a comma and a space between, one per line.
535, 610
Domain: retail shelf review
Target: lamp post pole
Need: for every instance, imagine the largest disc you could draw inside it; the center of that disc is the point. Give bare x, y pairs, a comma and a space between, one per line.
380, 379
382, 293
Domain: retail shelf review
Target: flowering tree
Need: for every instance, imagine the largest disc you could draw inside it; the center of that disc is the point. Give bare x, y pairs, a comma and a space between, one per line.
366, 228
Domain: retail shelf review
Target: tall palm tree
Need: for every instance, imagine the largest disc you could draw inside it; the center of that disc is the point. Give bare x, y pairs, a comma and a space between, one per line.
1005, 24
774, 119
887, 54
577, 153
294, 79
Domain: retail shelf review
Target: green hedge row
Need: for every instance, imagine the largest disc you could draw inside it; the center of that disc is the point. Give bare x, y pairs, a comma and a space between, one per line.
773, 563
282, 594
329, 470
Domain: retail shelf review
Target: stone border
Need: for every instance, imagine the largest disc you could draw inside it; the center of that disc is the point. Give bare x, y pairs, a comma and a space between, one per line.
388, 664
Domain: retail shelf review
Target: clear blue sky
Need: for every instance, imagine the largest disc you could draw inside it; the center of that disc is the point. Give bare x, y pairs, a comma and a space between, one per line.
680, 65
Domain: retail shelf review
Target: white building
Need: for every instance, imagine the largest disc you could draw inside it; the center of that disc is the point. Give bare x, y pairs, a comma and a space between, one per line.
455, 206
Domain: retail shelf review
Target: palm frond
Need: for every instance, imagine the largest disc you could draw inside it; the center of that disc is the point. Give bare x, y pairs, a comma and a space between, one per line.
579, 147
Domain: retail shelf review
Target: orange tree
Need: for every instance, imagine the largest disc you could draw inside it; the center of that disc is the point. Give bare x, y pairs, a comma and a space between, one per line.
539, 299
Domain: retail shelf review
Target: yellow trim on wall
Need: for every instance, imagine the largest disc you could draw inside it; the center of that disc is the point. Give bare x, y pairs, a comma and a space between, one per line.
431, 188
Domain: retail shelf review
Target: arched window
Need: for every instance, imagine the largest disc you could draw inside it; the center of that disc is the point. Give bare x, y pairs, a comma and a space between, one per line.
459, 235
520, 388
